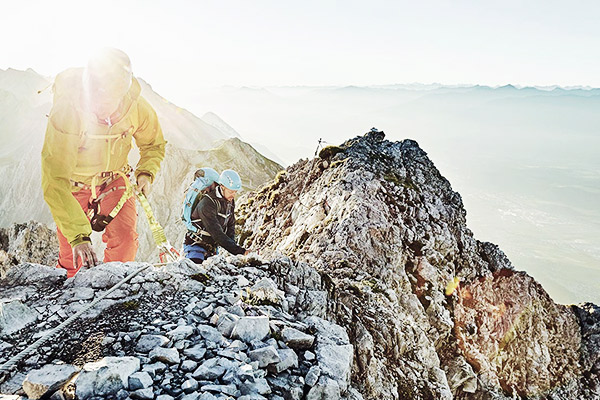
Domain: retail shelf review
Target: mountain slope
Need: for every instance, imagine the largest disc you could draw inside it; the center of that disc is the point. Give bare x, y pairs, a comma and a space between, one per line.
180, 127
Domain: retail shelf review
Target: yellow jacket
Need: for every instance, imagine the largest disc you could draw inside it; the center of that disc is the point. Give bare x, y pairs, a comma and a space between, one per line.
78, 146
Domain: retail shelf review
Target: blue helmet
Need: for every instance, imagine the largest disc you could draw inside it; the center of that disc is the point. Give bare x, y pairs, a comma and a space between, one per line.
208, 173
230, 179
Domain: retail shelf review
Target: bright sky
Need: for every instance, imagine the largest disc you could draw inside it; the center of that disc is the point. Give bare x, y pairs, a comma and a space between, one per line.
180, 45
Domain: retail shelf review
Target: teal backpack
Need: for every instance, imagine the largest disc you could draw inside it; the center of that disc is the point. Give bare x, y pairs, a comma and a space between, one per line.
204, 178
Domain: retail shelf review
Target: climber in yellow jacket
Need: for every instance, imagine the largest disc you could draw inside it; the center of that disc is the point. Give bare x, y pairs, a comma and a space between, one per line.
97, 111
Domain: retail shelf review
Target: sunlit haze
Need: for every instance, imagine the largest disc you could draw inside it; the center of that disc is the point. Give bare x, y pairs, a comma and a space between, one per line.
181, 46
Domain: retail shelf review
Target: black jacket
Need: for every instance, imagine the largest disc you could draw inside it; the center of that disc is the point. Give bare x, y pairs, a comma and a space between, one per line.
215, 215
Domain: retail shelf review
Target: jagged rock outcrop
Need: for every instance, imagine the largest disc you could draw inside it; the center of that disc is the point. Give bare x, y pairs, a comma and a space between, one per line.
30, 242
388, 238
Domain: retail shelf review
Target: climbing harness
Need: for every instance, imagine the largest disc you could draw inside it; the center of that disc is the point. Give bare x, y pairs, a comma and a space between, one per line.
166, 252
97, 220
12, 363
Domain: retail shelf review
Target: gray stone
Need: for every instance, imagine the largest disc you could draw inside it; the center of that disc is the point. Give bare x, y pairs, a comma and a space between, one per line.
154, 368
255, 386
188, 365
312, 302
189, 386
252, 396
327, 332
226, 323
165, 397
181, 332
117, 294
288, 359
265, 291
140, 380
336, 362
105, 377
13, 384
14, 316
265, 356
206, 312
29, 273
233, 355
102, 276
209, 333
296, 339
146, 343
143, 394
209, 370
325, 389
251, 328
121, 395
196, 353
169, 356
230, 390
47, 379
309, 356
237, 345
79, 293
312, 376
236, 310
242, 281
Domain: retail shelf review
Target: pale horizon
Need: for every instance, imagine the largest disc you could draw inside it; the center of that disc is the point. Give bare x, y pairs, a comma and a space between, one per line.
267, 43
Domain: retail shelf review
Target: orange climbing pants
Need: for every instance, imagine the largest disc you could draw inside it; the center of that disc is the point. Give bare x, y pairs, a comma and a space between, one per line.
120, 234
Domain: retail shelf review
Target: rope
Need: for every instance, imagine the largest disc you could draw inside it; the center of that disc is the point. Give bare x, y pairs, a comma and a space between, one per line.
12, 363
167, 253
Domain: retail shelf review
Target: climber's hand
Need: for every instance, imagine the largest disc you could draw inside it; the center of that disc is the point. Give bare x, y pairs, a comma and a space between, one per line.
144, 183
85, 252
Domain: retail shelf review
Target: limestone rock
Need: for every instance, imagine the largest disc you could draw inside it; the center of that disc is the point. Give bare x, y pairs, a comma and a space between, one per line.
265, 356
296, 339
147, 343
105, 377
47, 379
288, 359
325, 389
14, 316
29, 273
249, 329
265, 291
140, 380
166, 355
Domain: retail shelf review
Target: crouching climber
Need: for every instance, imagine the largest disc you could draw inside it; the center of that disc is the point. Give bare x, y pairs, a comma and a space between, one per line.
212, 219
